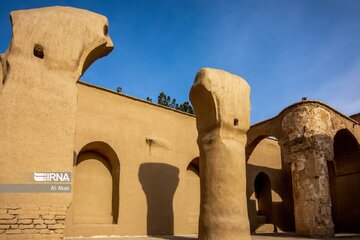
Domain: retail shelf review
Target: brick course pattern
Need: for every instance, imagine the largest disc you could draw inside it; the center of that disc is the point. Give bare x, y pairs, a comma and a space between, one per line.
32, 222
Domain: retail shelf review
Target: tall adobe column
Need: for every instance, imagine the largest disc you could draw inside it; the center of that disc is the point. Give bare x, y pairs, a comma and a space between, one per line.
50, 49
222, 105
308, 145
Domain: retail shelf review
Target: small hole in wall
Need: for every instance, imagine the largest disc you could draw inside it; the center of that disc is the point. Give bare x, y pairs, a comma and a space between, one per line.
106, 30
236, 121
38, 51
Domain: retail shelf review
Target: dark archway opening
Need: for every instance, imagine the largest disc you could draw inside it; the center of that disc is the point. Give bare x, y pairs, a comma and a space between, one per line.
263, 197
344, 180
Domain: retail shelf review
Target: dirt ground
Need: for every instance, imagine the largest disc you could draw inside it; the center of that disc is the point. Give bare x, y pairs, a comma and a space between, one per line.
283, 236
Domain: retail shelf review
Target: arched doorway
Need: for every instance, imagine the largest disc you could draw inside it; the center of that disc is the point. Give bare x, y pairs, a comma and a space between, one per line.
193, 195
344, 180
263, 197
96, 185
265, 162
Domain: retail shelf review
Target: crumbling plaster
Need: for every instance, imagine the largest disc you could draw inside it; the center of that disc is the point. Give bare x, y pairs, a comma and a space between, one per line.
305, 131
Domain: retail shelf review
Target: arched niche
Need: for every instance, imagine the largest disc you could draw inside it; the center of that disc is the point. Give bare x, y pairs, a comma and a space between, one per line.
193, 195
96, 185
344, 181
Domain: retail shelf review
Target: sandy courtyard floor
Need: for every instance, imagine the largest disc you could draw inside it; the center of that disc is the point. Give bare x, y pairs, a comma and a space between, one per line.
283, 236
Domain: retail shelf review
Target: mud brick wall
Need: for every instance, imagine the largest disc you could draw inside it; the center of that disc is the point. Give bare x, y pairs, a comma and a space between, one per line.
36, 222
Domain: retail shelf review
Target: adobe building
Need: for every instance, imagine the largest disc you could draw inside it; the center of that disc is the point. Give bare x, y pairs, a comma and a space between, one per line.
134, 164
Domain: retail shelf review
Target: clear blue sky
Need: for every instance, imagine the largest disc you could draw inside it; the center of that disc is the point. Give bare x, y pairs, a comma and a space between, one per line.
285, 49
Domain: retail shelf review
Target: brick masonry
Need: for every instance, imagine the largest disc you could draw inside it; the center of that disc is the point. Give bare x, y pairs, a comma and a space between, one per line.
31, 222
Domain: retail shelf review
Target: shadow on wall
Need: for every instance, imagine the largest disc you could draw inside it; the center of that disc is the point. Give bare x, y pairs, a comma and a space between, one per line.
159, 182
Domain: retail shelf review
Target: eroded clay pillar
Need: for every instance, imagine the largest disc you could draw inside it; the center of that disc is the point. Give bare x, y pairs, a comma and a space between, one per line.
50, 49
222, 105
307, 147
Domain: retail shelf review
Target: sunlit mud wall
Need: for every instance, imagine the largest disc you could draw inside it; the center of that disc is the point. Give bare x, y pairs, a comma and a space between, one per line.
136, 168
